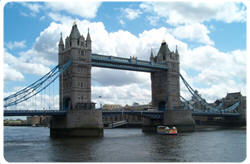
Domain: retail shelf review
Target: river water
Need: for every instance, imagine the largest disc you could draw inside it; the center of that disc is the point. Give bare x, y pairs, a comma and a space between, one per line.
33, 144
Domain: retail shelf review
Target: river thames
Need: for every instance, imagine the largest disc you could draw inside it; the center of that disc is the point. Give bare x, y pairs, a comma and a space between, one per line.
33, 144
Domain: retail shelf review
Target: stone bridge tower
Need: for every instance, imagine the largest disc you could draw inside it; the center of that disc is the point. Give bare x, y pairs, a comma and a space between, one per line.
81, 119
166, 93
75, 82
166, 84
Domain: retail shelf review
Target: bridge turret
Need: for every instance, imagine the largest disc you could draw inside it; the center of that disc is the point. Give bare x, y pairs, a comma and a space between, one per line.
164, 53
88, 40
177, 53
176, 50
166, 84
75, 82
61, 45
152, 60
74, 36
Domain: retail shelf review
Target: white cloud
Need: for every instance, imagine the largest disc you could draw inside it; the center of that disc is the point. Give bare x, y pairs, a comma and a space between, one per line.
86, 9
216, 69
122, 22
45, 48
131, 14
33, 7
194, 32
121, 95
23, 66
11, 74
177, 13
15, 44
114, 77
42, 18
153, 20
212, 66
40, 101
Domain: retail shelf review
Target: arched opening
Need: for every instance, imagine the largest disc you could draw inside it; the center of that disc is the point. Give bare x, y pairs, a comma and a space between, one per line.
162, 106
67, 104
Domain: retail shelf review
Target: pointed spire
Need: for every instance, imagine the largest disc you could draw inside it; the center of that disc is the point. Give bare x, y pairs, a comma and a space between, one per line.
88, 36
176, 50
74, 23
164, 48
152, 54
74, 31
61, 40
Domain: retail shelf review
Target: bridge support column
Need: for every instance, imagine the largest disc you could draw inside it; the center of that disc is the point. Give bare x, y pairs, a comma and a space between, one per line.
77, 123
181, 119
148, 125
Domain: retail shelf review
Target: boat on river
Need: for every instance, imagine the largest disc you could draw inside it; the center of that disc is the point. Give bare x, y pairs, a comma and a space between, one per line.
166, 130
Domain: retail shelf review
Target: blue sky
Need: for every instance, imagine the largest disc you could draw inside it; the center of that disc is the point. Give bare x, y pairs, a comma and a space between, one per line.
211, 38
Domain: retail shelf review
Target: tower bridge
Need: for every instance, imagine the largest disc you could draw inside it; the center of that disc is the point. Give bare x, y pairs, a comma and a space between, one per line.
77, 115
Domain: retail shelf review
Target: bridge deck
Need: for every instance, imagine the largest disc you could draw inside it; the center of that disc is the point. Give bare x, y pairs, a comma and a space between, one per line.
153, 115
132, 64
34, 113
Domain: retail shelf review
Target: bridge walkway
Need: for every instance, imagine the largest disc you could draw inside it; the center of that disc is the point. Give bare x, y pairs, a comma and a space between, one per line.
117, 124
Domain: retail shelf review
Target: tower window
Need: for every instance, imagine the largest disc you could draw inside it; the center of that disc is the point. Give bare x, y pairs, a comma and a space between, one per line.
164, 57
82, 52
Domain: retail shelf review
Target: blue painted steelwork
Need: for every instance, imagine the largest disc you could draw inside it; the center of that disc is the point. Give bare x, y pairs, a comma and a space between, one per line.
34, 113
36, 87
152, 115
159, 114
122, 67
199, 99
125, 64
231, 108
216, 114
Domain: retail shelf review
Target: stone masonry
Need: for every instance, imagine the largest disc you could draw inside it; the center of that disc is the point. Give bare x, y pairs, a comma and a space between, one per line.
82, 119
166, 84
75, 82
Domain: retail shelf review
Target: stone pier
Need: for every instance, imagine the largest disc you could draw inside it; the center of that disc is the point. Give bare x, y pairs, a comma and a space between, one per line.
181, 119
82, 119
148, 125
77, 123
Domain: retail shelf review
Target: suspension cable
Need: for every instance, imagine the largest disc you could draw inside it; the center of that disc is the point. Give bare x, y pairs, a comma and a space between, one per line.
39, 85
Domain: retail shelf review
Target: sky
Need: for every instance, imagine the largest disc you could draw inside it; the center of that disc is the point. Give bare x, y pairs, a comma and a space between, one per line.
211, 40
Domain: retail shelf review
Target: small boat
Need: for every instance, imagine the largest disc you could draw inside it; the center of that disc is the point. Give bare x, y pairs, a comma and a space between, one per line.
166, 130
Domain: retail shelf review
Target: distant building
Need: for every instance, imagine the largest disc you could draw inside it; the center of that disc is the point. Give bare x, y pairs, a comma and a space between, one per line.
38, 120
111, 107
232, 98
229, 100
136, 106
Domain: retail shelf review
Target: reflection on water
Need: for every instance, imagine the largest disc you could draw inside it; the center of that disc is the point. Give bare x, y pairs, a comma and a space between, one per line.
28, 144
